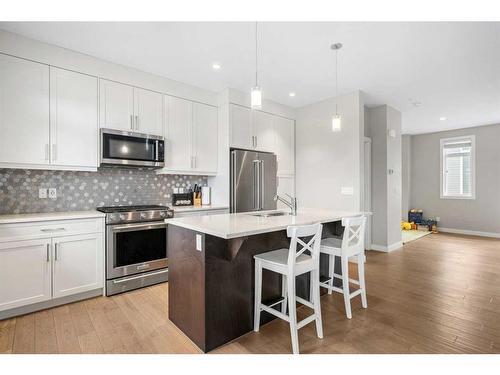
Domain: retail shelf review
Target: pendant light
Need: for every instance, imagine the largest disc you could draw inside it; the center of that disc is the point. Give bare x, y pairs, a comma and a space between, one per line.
256, 92
336, 119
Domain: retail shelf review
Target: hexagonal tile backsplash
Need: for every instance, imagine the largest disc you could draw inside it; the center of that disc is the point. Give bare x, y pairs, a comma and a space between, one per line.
87, 190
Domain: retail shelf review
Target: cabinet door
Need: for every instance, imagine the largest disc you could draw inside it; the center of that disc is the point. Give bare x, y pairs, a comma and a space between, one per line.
116, 105
24, 273
73, 118
178, 153
205, 138
263, 130
240, 127
285, 145
78, 264
148, 109
24, 111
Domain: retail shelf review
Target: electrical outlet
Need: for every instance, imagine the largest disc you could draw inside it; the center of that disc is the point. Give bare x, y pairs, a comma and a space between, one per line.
52, 193
42, 193
347, 190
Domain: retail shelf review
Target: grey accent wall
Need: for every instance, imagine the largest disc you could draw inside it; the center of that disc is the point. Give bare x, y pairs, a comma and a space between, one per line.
386, 187
481, 214
405, 175
87, 190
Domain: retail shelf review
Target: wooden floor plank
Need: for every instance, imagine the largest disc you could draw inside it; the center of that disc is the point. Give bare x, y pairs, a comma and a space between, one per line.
439, 294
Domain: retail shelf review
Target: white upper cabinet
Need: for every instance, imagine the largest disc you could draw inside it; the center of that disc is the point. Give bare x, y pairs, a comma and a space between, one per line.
241, 127
190, 137
73, 119
284, 145
148, 111
205, 138
263, 130
78, 264
125, 107
25, 273
178, 153
24, 112
116, 105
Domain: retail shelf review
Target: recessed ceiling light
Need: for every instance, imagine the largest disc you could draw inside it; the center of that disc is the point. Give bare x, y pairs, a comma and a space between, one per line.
442, 119
216, 66
292, 94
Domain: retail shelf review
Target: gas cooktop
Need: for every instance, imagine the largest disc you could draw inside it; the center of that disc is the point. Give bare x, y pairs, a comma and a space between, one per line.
134, 214
110, 209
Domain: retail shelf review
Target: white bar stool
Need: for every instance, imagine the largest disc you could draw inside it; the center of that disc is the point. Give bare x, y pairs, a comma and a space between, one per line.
352, 244
291, 263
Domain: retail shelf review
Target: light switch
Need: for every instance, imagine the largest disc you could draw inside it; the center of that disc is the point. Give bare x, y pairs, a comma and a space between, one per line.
198, 242
347, 190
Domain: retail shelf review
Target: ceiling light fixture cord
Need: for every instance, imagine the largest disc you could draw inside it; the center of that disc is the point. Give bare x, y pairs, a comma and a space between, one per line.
336, 81
256, 66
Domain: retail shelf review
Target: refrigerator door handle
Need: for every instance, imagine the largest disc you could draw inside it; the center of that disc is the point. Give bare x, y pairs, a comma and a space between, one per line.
233, 181
262, 190
256, 185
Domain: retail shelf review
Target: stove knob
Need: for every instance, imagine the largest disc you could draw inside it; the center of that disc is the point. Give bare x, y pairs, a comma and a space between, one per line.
143, 215
122, 217
162, 214
112, 217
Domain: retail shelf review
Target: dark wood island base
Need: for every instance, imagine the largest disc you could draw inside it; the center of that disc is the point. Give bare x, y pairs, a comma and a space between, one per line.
211, 290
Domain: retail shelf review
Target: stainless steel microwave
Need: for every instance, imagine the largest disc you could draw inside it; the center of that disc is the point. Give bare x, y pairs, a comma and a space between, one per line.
121, 147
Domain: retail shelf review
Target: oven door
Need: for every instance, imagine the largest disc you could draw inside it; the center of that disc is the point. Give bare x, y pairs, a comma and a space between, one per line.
135, 248
134, 149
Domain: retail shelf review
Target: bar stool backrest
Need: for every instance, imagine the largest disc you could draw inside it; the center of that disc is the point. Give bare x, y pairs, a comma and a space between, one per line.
354, 234
304, 238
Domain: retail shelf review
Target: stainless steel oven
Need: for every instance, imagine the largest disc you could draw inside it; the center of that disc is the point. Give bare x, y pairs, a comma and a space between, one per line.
136, 247
119, 147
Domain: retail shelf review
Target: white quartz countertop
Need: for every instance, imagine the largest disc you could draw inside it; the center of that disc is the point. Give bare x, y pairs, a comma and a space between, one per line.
198, 208
245, 224
49, 216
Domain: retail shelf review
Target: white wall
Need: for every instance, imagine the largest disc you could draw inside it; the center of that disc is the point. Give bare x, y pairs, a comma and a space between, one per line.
405, 175
386, 185
470, 215
326, 161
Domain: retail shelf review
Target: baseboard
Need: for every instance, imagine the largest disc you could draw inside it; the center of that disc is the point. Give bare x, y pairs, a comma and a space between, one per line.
50, 303
470, 232
387, 249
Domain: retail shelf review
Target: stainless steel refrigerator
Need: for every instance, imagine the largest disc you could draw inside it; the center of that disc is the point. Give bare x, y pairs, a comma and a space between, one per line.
253, 181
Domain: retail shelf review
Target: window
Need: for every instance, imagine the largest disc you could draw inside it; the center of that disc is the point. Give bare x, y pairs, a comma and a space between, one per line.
458, 168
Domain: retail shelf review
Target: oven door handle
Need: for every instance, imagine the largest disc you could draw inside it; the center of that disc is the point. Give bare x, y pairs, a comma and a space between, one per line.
123, 228
141, 276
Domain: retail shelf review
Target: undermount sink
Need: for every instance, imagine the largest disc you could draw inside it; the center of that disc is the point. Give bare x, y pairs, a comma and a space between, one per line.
271, 214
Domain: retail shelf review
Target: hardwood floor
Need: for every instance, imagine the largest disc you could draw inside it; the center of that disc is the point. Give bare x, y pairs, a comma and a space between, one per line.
439, 294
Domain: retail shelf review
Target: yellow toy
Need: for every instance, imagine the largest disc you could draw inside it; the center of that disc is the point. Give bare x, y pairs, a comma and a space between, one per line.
406, 226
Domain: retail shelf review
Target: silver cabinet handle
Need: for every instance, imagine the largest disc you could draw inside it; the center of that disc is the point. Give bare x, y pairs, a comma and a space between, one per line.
256, 185
55, 251
195, 162
132, 122
46, 152
256, 142
48, 252
53, 229
157, 153
136, 122
54, 152
253, 141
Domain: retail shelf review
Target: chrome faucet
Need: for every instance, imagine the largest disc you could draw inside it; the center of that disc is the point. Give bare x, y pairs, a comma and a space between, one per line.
292, 204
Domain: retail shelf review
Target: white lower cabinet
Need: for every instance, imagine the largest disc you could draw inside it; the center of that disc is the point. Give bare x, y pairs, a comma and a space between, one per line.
25, 273
66, 260
78, 264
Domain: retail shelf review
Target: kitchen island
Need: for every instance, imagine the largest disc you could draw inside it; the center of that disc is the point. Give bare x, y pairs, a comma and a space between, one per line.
211, 269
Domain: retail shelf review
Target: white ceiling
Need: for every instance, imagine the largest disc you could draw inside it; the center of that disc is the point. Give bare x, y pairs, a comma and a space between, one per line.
452, 69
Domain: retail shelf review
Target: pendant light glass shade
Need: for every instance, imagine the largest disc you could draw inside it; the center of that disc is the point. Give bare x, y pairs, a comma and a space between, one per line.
256, 97
336, 123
